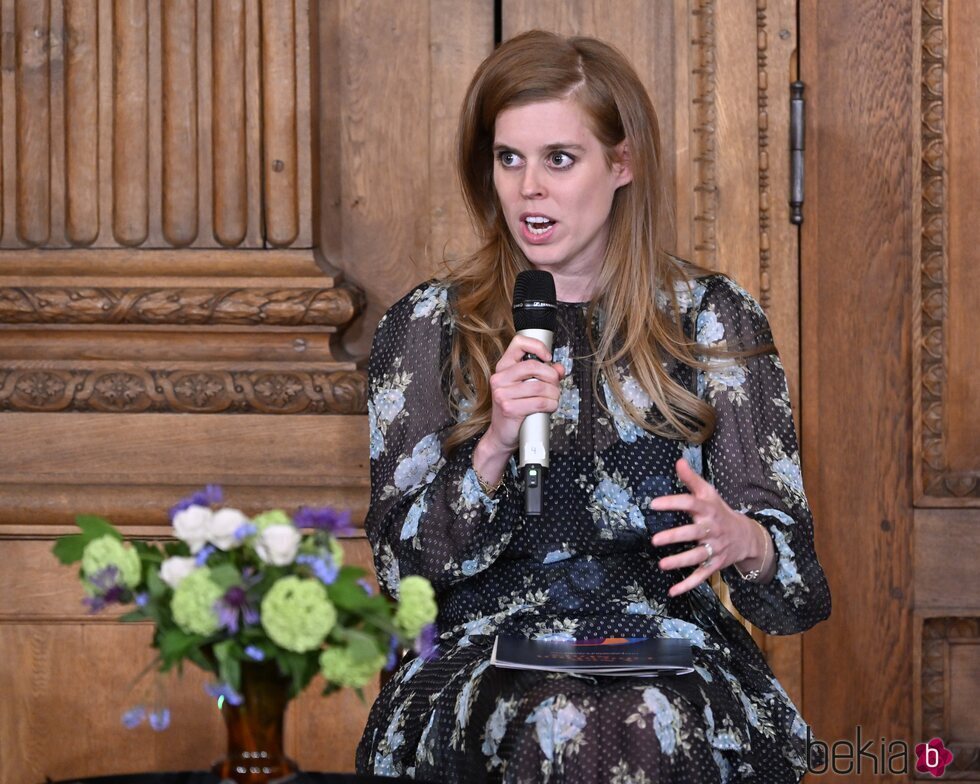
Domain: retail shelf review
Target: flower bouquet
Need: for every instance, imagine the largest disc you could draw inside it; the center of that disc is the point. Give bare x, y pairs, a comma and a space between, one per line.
264, 603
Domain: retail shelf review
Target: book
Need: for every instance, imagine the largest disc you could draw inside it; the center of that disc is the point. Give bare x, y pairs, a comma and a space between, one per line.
622, 656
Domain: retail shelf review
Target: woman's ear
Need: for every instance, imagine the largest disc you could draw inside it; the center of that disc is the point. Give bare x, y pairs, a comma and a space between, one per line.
622, 164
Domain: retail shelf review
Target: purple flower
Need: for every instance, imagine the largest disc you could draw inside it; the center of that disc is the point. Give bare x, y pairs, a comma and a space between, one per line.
142, 599
160, 719
393, 648
234, 606
255, 653
324, 519
223, 692
368, 588
426, 644
202, 557
108, 589
209, 496
323, 567
134, 717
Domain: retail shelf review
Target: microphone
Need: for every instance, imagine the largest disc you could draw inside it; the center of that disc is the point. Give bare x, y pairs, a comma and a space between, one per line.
535, 315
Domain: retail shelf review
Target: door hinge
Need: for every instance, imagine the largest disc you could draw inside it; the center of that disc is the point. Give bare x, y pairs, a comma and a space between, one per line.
797, 115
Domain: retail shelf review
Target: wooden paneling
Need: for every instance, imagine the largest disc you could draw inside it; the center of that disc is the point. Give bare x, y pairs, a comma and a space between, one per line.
60, 663
857, 59
140, 124
948, 689
946, 554
391, 206
946, 279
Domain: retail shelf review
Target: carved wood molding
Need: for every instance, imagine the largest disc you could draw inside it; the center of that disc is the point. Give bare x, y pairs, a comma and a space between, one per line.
938, 634
286, 306
136, 389
706, 186
765, 196
936, 479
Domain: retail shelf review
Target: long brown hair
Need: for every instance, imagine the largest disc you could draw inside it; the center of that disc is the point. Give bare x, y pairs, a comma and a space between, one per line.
540, 66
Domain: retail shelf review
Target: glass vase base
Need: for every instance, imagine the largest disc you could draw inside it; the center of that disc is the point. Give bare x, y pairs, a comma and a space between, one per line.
255, 768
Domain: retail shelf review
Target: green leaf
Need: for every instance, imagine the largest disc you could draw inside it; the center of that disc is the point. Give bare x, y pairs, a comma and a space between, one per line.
155, 585
176, 644
299, 667
225, 575
69, 549
229, 667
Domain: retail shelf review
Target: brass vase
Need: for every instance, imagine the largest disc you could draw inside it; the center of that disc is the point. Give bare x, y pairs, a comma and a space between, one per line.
255, 738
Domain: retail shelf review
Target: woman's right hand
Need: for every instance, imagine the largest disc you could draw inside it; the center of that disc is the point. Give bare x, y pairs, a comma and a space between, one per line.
518, 387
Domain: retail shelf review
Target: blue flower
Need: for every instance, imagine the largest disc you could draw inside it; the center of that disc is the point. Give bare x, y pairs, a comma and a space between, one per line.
244, 531
254, 653
209, 496
202, 557
223, 692
325, 519
134, 717
159, 719
368, 588
323, 567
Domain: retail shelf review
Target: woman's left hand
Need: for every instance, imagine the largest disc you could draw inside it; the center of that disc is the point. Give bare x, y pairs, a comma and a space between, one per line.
730, 537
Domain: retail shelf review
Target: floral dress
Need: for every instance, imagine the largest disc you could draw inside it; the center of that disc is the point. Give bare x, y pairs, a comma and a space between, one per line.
586, 567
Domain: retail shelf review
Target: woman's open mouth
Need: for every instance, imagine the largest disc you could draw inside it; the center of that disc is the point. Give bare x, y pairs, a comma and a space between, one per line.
537, 228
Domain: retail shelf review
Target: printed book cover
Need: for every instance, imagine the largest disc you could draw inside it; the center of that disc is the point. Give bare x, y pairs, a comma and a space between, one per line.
632, 656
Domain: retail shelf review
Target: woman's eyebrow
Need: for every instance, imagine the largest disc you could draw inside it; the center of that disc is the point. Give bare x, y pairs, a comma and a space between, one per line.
547, 148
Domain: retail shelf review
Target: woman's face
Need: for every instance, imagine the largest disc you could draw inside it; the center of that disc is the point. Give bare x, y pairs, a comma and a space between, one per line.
556, 189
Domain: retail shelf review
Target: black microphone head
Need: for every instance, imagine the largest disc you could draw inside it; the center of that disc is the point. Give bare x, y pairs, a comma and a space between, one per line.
535, 302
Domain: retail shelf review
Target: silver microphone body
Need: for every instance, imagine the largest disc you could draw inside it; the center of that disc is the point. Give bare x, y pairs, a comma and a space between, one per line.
535, 428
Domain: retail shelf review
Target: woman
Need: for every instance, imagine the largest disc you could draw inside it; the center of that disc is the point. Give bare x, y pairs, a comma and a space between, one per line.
658, 366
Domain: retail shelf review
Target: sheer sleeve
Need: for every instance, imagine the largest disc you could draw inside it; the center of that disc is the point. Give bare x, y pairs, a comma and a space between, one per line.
753, 460
428, 514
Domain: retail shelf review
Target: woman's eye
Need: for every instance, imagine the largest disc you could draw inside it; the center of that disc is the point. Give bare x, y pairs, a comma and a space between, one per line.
507, 159
561, 160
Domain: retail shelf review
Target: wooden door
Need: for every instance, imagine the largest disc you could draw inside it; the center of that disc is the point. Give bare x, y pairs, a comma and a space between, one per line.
891, 426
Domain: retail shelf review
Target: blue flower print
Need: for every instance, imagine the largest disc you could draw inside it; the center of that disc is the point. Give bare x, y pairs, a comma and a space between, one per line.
421, 466
563, 354
496, 728
430, 303
675, 628
786, 573
692, 454
411, 525
710, 329
556, 555
613, 498
666, 722
778, 514
557, 723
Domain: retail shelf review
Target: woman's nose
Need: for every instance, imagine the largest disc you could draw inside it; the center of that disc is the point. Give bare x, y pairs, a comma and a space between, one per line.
531, 187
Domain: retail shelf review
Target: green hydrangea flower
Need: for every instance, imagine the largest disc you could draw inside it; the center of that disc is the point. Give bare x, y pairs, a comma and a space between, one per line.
109, 551
416, 605
338, 665
272, 517
296, 614
193, 603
